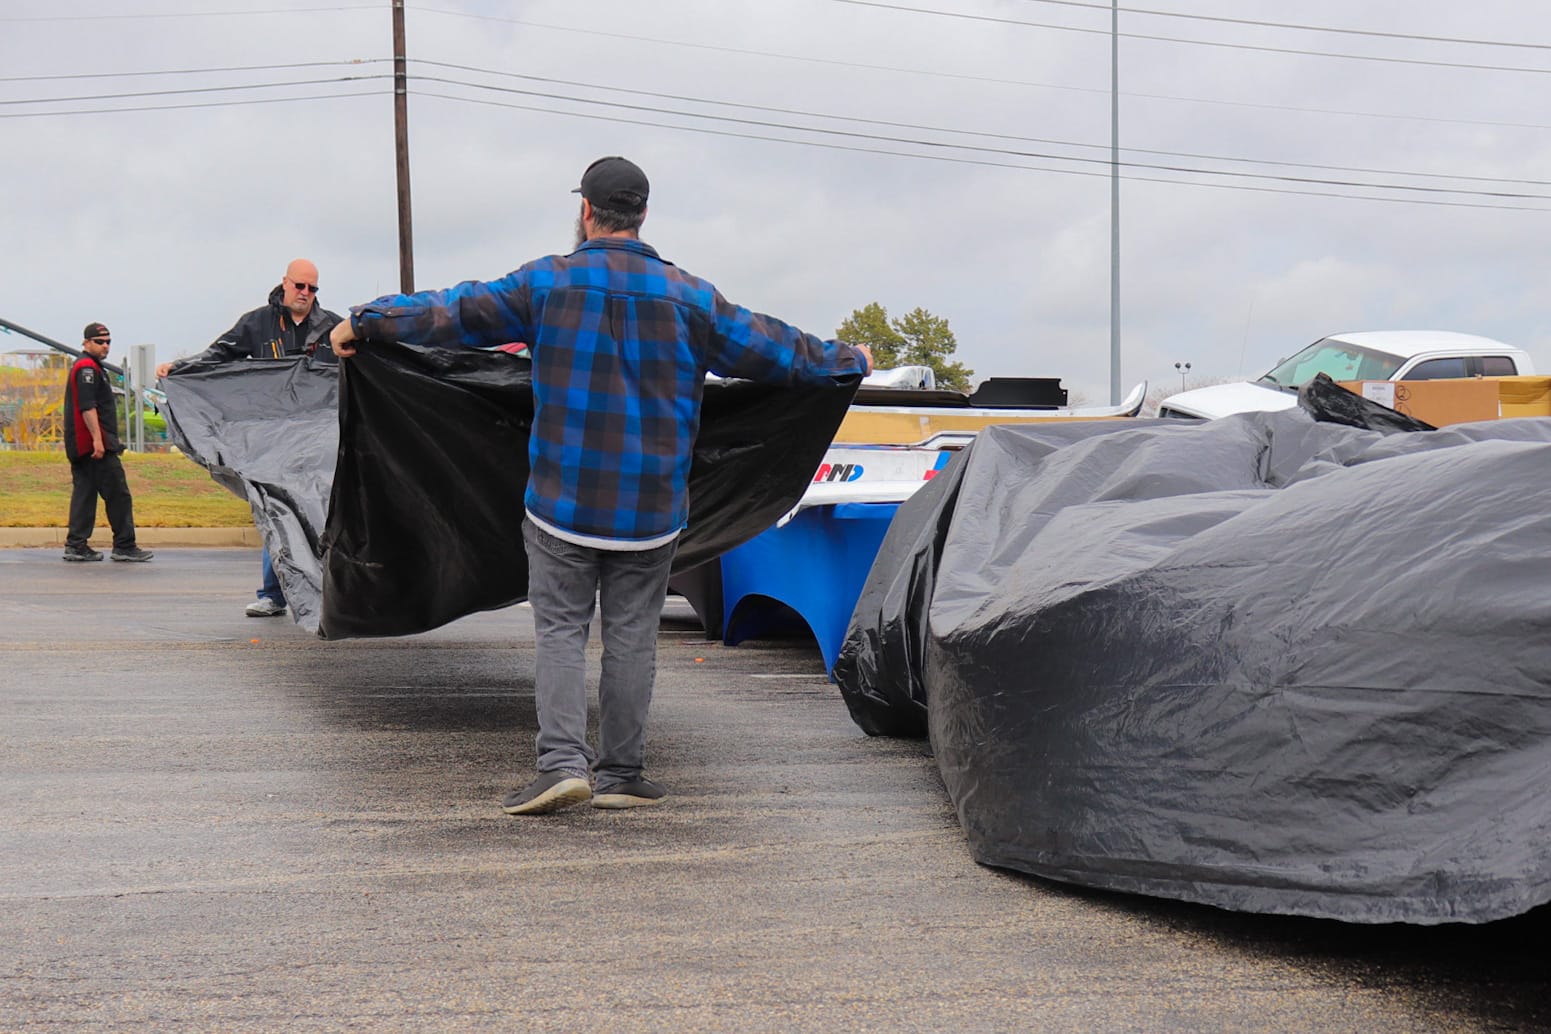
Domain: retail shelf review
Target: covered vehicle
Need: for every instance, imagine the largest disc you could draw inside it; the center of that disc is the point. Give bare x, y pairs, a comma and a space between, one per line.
1393, 355
1266, 663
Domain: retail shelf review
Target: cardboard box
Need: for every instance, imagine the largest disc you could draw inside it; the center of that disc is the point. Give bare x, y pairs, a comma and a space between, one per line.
1439, 403
1524, 396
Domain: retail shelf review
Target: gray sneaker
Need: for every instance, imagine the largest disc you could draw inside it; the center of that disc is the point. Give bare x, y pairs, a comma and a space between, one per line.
636, 793
264, 607
551, 791
80, 554
133, 555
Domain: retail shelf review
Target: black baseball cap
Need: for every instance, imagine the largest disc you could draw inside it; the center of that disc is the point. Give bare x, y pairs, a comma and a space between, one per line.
94, 330
615, 183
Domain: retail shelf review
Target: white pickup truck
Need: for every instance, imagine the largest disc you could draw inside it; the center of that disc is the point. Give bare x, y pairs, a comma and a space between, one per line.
1379, 355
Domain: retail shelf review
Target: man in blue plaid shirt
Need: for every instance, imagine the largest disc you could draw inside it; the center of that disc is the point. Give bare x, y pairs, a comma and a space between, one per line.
621, 342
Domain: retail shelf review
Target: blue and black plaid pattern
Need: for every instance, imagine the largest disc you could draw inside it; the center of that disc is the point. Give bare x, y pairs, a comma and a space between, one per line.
621, 342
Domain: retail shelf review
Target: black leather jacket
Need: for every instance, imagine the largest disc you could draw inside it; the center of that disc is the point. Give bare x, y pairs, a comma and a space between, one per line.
267, 333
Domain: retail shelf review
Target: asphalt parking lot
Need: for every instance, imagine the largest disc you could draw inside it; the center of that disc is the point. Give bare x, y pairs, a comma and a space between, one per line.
213, 822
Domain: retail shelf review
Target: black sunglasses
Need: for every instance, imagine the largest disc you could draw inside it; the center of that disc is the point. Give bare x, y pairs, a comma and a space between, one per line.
102, 341
301, 286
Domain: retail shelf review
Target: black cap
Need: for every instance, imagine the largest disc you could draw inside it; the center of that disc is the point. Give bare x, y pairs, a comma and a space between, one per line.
615, 183
94, 330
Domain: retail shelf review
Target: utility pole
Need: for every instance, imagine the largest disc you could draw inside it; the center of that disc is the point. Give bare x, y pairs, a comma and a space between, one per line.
401, 151
1114, 202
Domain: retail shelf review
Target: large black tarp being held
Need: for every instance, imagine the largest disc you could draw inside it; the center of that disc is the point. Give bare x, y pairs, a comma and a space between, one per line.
268, 432
1264, 663
424, 504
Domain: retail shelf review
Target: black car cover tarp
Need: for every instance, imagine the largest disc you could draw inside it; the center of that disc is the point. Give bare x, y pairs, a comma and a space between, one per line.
1261, 663
268, 431
419, 521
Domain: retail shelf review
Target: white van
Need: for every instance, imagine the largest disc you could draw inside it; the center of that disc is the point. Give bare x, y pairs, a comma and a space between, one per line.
1376, 355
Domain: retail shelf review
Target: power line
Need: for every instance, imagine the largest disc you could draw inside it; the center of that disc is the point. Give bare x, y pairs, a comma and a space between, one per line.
1433, 202
1196, 42
356, 62
1378, 33
1332, 168
751, 107
821, 130
986, 150
1345, 113
1384, 116
968, 132
190, 71
181, 107
1130, 175
188, 14
743, 52
196, 89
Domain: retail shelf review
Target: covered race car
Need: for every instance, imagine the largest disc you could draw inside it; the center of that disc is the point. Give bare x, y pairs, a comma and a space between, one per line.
1267, 663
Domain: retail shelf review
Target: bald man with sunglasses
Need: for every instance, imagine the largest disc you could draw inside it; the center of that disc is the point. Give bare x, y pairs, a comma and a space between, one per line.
292, 324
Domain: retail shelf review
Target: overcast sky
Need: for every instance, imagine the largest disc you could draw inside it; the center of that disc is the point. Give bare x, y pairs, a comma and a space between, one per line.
947, 177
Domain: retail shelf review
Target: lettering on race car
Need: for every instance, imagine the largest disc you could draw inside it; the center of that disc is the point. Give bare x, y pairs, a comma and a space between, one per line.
838, 472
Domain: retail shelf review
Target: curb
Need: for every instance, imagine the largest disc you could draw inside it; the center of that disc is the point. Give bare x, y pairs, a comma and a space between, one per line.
231, 538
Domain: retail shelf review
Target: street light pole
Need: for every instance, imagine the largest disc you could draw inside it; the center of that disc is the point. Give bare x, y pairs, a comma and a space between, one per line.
1183, 369
1114, 202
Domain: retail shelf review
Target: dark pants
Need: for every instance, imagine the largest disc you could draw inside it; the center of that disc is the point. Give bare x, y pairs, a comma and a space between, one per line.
565, 583
92, 478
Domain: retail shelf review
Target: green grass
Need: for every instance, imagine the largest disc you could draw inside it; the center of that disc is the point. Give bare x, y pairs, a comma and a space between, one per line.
170, 490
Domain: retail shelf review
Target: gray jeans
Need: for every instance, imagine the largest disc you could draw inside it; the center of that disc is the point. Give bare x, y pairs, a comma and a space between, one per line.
564, 582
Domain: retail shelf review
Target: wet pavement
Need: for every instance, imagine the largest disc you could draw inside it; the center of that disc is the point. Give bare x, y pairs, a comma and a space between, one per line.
214, 822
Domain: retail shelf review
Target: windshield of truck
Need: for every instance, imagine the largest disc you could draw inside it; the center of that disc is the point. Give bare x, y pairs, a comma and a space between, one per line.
1337, 359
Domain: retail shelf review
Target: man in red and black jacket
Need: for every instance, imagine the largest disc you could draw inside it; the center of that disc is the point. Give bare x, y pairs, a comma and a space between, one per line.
92, 445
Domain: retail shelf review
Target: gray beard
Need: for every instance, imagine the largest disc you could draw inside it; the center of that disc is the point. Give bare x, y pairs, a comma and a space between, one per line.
581, 232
